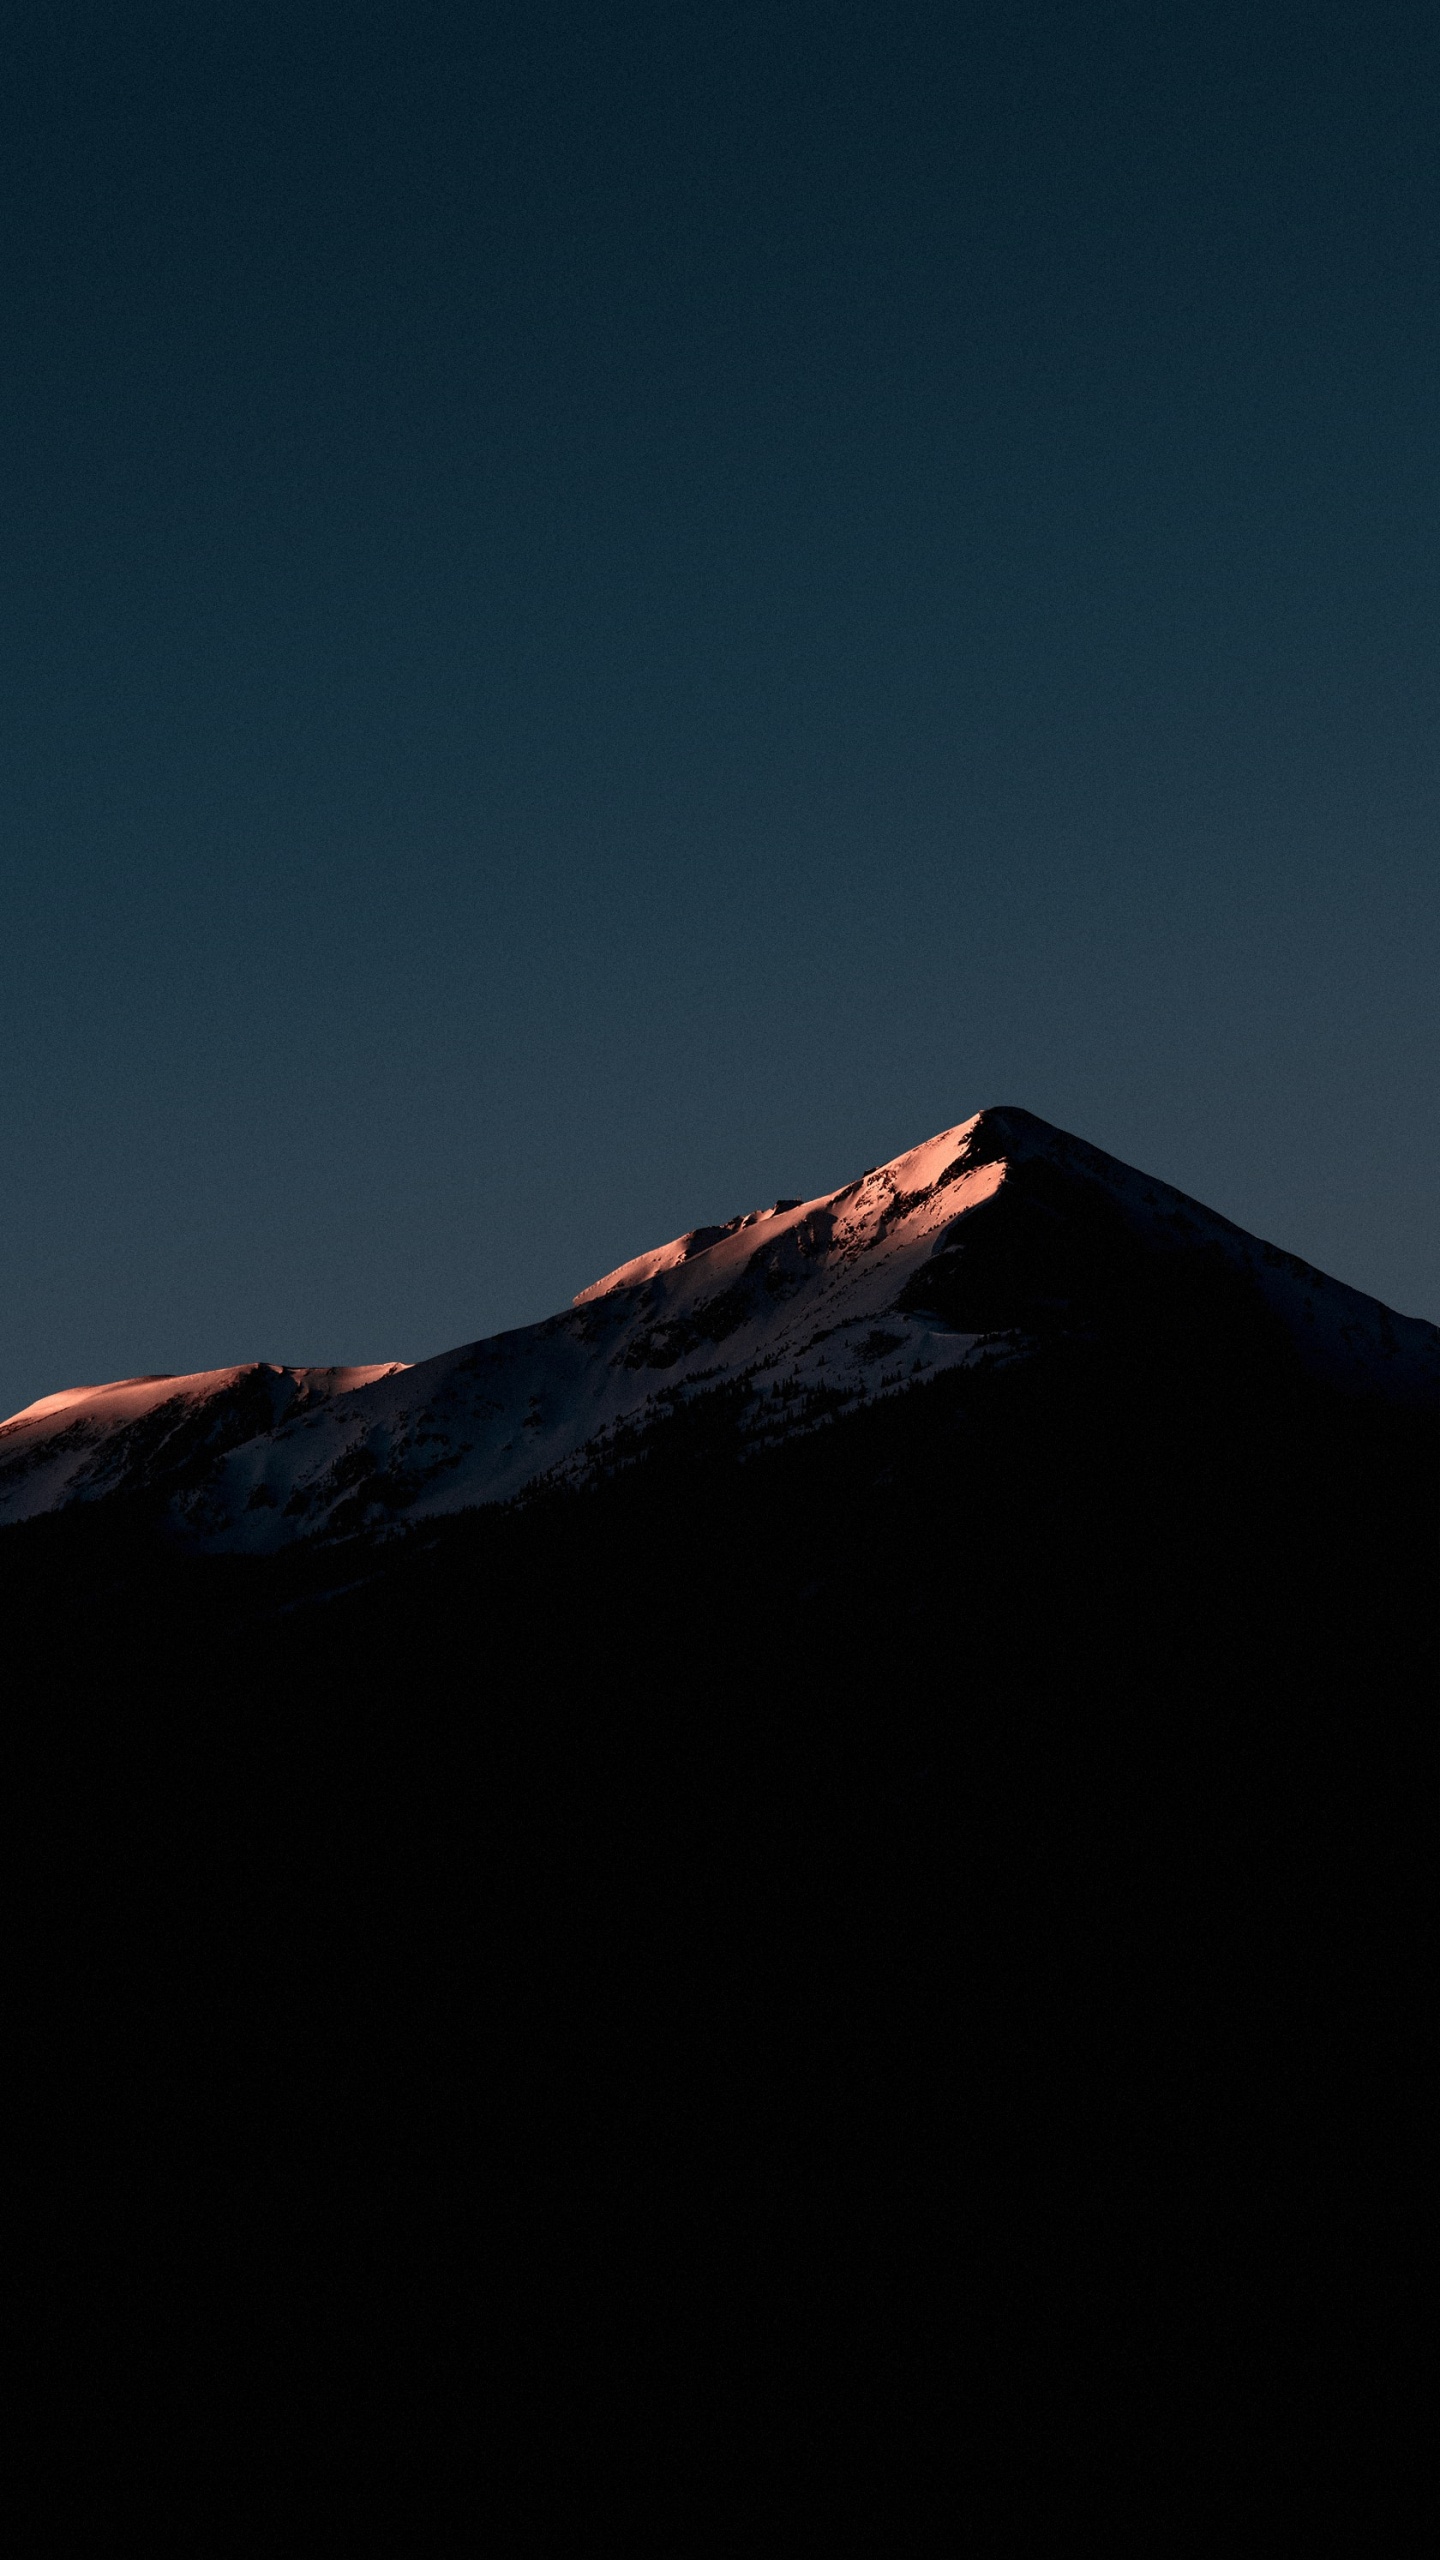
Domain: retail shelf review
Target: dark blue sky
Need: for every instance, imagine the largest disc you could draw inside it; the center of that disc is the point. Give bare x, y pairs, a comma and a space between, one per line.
610, 611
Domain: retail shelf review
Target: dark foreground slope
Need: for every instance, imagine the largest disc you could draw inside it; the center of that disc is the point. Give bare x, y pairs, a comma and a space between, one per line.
893, 1970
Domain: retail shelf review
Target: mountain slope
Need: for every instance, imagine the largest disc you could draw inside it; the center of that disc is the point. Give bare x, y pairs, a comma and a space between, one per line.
87, 1442
995, 1238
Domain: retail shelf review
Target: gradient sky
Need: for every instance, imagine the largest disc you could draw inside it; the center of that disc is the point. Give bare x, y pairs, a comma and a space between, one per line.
609, 611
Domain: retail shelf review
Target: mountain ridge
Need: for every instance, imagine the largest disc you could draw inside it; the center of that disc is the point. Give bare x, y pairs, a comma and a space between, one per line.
995, 1236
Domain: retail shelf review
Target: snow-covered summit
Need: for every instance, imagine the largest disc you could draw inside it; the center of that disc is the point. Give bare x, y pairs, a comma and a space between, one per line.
974, 1246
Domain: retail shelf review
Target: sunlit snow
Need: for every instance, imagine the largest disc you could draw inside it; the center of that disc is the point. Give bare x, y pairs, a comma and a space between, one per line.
795, 1309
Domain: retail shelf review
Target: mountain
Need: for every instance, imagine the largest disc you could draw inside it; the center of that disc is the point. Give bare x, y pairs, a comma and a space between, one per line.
906, 1853
982, 1247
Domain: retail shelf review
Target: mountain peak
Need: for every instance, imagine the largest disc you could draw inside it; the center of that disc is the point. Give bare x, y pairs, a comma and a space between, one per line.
998, 1235
910, 1176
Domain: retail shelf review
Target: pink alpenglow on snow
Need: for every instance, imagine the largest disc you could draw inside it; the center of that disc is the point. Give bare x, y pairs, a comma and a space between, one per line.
86, 1442
805, 1311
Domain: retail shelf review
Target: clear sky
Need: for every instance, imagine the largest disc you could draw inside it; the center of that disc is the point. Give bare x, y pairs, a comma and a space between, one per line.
609, 611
